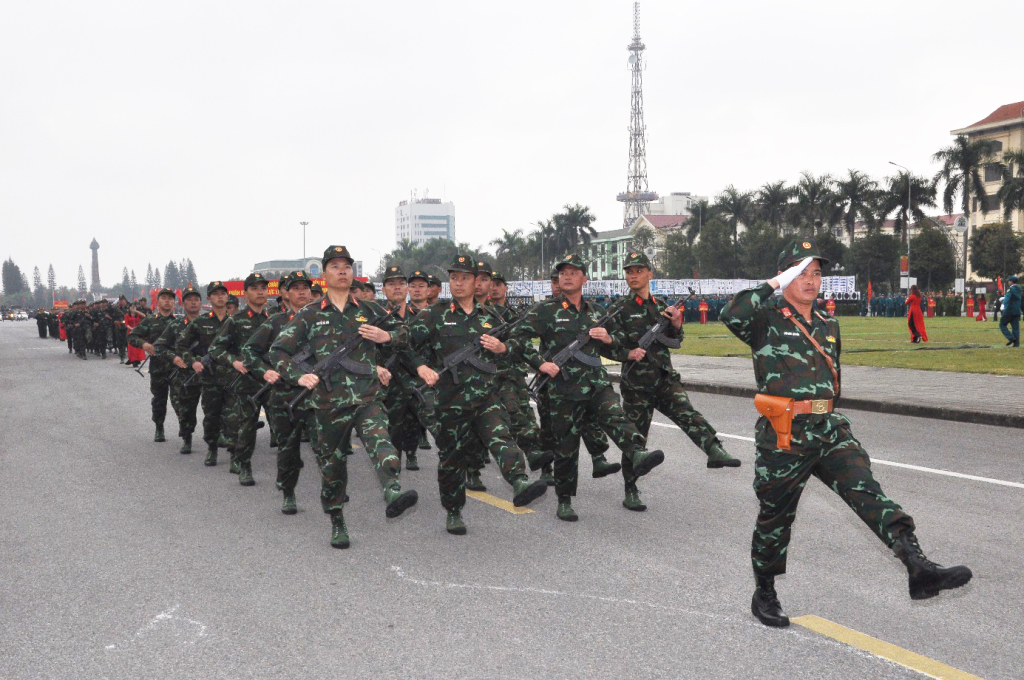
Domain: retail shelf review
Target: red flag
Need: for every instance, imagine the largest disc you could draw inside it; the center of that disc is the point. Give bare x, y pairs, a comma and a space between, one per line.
999, 284
869, 291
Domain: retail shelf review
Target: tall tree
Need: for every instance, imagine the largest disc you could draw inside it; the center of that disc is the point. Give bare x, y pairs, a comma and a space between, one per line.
135, 287
680, 260
853, 194
510, 253
716, 254
773, 203
157, 279
700, 212
816, 204
874, 259
760, 246
149, 276
995, 250
81, 281
921, 195
11, 275
1011, 194
37, 288
934, 261
735, 207
51, 280
962, 162
541, 246
172, 279
126, 283
189, 274
573, 228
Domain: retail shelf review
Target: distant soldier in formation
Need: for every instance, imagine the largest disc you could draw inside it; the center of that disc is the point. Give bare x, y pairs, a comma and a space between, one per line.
42, 322
184, 398
143, 336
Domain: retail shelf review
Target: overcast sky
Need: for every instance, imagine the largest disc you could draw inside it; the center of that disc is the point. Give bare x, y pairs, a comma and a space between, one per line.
211, 129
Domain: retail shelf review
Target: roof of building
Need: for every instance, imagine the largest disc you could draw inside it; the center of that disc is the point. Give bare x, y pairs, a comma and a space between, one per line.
666, 221
1004, 114
610, 235
286, 264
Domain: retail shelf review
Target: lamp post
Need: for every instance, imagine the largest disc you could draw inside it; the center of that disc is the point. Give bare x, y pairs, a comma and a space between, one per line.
961, 226
910, 210
303, 239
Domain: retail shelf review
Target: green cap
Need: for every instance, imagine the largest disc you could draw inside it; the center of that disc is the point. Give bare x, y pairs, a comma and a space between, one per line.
394, 272
232, 300
572, 260
498, 276
162, 291
316, 288
336, 251
214, 286
369, 285
484, 268
636, 259
298, 277
283, 282
433, 280
190, 290
357, 285
253, 279
797, 250
419, 274
462, 263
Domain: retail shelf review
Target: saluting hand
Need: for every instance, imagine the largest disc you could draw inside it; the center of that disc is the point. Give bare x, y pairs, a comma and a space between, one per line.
787, 277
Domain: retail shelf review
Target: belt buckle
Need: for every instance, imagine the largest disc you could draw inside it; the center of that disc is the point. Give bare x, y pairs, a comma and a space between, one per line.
819, 406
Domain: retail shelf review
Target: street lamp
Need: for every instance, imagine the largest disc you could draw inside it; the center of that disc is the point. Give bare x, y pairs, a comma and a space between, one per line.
907, 225
303, 239
961, 227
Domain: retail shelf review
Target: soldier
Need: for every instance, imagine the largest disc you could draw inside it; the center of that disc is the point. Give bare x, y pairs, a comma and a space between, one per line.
581, 385
649, 381
232, 306
226, 348
468, 410
194, 349
316, 293
294, 289
796, 363
120, 332
433, 289
143, 336
42, 322
478, 456
399, 401
184, 398
418, 290
349, 399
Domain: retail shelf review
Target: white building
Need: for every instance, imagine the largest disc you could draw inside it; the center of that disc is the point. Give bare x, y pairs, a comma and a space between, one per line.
274, 269
421, 219
676, 203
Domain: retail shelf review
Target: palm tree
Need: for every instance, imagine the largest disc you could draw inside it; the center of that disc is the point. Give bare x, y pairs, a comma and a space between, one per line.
510, 248
922, 195
854, 194
540, 245
1011, 194
573, 228
962, 162
815, 201
700, 212
773, 203
736, 207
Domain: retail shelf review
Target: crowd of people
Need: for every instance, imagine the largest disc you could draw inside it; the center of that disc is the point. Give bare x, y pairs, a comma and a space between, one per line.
330, 364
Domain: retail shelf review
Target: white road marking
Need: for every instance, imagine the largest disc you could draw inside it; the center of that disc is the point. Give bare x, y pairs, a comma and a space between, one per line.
918, 468
168, 615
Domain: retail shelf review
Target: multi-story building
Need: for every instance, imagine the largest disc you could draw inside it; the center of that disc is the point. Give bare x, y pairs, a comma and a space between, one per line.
274, 269
420, 219
606, 252
676, 203
1005, 128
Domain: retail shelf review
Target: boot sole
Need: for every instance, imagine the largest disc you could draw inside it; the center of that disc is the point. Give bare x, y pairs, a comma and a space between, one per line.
289, 511
401, 504
570, 518
530, 494
340, 546
720, 464
250, 482
540, 462
634, 508
951, 583
610, 470
457, 531
478, 487
656, 458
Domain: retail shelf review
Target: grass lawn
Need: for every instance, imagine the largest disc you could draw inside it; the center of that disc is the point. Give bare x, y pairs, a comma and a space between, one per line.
954, 344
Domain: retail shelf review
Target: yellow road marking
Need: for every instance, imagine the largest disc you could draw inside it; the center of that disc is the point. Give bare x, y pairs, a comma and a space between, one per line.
916, 662
497, 502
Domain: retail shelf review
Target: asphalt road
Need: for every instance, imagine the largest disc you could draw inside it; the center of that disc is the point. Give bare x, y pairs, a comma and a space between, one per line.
123, 559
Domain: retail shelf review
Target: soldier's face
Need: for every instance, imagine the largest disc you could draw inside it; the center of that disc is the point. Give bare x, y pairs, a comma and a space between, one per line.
218, 299
804, 289
555, 288
395, 290
482, 287
256, 294
499, 290
165, 303
298, 294
338, 273
637, 278
418, 290
433, 292
462, 284
571, 280
192, 304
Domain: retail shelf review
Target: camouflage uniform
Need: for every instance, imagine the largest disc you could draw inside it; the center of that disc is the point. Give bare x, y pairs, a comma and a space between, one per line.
149, 330
184, 400
213, 378
787, 365
120, 330
400, 400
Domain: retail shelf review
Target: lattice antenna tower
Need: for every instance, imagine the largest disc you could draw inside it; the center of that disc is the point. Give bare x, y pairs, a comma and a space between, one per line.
637, 197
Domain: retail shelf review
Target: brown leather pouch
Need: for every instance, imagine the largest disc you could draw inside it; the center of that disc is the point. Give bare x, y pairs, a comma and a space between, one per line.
779, 412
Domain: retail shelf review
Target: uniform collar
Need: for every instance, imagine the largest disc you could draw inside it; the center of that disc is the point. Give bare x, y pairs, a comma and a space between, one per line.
565, 304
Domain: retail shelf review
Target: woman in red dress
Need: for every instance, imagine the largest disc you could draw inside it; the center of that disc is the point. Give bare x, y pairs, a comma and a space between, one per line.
135, 355
915, 319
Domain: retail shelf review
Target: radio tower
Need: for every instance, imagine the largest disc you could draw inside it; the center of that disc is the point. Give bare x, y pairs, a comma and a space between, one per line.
636, 196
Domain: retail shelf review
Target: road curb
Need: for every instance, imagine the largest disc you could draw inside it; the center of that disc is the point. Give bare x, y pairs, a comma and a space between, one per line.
874, 405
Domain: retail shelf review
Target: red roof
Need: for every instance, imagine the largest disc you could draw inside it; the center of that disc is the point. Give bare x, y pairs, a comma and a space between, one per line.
1004, 112
666, 221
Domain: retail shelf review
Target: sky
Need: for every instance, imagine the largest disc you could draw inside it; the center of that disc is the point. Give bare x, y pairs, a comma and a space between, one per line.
210, 129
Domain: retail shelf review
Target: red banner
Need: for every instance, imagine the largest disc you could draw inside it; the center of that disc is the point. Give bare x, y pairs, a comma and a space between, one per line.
60, 304
904, 264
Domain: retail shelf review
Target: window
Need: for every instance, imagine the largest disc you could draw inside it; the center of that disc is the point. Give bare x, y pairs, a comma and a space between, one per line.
993, 173
997, 146
991, 204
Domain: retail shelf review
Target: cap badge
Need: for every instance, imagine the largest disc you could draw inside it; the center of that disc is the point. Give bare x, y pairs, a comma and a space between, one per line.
337, 249
807, 245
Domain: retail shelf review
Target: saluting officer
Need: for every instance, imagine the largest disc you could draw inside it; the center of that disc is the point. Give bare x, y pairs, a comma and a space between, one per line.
796, 363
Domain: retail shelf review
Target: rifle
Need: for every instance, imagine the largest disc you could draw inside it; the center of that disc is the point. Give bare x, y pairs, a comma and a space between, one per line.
206, 360
656, 333
327, 366
255, 398
572, 351
138, 369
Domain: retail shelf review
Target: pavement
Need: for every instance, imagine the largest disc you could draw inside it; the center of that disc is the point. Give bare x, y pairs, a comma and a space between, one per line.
123, 559
961, 397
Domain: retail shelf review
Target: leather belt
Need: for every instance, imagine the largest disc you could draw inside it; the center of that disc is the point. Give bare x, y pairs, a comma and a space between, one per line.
812, 406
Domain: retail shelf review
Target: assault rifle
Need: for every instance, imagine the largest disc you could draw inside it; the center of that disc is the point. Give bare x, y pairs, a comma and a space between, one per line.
138, 369
338, 359
656, 333
206, 361
255, 398
572, 351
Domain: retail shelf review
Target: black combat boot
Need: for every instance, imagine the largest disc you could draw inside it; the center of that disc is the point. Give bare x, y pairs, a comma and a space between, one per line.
632, 500
339, 532
186, 443
245, 474
398, 501
473, 482
926, 578
525, 491
540, 459
410, 461
211, 455
158, 436
765, 605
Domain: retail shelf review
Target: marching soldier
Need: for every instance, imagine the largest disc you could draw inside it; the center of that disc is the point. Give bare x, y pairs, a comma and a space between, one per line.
581, 384
468, 411
400, 401
184, 398
193, 346
419, 290
143, 336
120, 331
241, 420
42, 322
648, 380
796, 363
351, 397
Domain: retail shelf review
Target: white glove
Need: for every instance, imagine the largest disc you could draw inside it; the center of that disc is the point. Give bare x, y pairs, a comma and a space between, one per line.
787, 277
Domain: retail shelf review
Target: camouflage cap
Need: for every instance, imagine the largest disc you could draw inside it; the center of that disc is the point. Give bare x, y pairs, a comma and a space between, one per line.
636, 259
356, 285
572, 260
797, 250
462, 263
433, 280
419, 274
162, 291
554, 273
498, 276
394, 272
283, 281
190, 290
232, 300
316, 288
253, 279
298, 277
214, 286
336, 251
370, 286
484, 268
